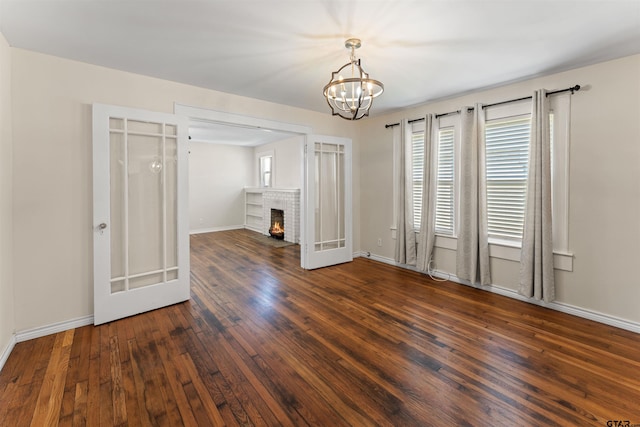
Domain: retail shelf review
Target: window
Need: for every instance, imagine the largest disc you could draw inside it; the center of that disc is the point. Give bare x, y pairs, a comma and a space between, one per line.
507, 133
507, 155
445, 193
445, 186
265, 166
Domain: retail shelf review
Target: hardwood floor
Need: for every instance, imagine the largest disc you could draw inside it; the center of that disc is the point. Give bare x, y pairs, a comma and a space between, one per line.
263, 342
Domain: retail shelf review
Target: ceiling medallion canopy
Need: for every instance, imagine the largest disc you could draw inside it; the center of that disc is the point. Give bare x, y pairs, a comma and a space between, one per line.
350, 92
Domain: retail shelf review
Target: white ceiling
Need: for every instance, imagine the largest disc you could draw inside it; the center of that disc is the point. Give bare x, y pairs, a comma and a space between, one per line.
284, 51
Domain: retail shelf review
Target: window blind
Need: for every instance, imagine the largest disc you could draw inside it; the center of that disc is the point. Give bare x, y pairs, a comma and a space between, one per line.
445, 184
507, 150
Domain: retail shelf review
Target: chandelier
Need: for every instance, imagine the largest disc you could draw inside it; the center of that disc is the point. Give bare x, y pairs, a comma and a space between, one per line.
350, 92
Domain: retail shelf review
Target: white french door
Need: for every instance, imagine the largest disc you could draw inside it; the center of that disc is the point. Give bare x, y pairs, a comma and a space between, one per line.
327, 201
140, 217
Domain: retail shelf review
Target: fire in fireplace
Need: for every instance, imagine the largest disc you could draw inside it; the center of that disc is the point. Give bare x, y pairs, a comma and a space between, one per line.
277, 224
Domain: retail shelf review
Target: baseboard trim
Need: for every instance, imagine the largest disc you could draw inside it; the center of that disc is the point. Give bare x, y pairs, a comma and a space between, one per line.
4, 356
53, 328
558, 306
214, 229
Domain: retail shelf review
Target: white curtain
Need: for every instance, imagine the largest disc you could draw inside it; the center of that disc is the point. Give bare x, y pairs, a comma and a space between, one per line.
536, 259
427, 235
472, 258
405, 252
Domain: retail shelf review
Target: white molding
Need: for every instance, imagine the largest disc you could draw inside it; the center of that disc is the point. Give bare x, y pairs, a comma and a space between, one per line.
53, 328
446, 242
563, 261
238, 119
7, 351
214, 229
510, 293
561, 106
503, 250
254, 189
280, 190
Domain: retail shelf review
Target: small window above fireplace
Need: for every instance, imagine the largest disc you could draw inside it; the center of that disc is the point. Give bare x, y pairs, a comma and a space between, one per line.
265, 169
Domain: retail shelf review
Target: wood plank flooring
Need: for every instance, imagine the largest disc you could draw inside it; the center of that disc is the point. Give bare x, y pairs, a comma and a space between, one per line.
263, 342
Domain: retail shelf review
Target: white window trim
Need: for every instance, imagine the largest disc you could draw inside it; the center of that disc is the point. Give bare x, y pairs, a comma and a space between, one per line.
260, 155
561, 106
396, 179
503, 250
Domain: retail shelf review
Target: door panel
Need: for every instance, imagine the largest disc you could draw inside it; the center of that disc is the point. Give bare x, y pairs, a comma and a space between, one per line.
141, 259
327, 201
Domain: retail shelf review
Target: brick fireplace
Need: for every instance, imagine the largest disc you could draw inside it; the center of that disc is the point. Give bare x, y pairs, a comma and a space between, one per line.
288, 201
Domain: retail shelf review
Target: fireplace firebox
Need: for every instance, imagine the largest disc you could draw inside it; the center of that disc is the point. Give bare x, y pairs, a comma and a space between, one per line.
276, 230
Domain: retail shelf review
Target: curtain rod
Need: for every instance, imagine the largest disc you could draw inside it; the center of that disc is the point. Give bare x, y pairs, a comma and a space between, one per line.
571, 89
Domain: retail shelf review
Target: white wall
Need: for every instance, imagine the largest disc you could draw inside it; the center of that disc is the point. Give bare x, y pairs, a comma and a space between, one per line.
217, 175
604, 217
52, 200
7, 319
288, 162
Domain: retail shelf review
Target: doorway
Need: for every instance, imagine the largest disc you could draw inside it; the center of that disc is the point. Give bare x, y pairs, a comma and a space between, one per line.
325, 178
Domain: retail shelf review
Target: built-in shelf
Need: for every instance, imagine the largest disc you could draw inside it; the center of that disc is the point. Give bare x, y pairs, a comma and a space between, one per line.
253, 209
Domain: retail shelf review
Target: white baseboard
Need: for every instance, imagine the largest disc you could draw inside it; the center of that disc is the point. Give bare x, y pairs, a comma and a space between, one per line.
53, 328
41, 332
7, 351
558, 306
214, 229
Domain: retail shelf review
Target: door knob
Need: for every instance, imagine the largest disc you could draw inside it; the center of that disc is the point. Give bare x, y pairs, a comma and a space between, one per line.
102, 226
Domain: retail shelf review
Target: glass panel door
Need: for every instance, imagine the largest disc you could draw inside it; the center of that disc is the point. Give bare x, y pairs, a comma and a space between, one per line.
327, 201
143, 161
140, 254
329, 181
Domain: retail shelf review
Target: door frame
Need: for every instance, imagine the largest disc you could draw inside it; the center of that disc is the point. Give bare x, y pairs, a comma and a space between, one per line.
306, 132
232, 119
